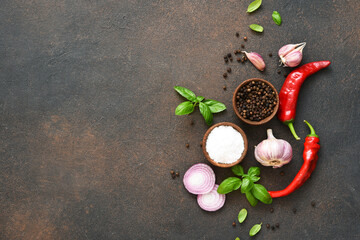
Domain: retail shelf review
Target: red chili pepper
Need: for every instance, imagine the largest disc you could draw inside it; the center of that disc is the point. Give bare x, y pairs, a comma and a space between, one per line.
311, 147
290, 91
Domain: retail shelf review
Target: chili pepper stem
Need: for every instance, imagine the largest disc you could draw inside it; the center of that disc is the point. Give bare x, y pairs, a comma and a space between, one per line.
312, 131
292, 129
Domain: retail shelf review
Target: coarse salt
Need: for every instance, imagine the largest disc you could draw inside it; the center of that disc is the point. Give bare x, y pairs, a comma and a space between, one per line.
225, 144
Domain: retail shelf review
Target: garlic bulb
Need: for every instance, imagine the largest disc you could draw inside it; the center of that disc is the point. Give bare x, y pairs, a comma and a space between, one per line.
273, 152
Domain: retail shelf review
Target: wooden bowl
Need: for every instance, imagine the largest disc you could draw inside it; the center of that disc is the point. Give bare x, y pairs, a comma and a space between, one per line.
225, 165
265, 120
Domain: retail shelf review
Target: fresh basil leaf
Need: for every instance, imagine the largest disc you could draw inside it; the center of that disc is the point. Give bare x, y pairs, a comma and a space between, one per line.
254, 6
260, 192
186, 93
217, 107
252, 200
254, 171
228, 185
210, 102
237, 238
256, 28
238, 170
242, 215
184, 108
276, 17
254, 178
205, 111
247, 185
199, 98
255, 229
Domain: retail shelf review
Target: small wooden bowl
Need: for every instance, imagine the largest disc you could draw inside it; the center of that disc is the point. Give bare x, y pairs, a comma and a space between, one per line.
225, 165
265, 120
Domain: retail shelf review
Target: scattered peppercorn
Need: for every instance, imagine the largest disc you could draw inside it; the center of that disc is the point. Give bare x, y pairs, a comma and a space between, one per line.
234, 224
237, 34
228, 69
172, 172
225, 57
278, 71
271, 210
200, 144
177, 174
242, 45
277, 225
238, 59
313, 203
229, 55
294, 210
224, 87
282, 173
273, 228
285, 75
173, 176
231, 59
226, 60
245, 38
267, 225
192, 122
225, 75
187, 145
270, 54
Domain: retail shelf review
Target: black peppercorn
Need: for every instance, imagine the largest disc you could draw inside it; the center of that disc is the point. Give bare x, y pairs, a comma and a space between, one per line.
277, 225
234, 224
271, 210
313, 203
229, 55
242, 45
245, 38
224, 87
172, 172
225, 75
270, 54
238, 59
187, 145
273, 228
237, 34
177, 174
228, 70
282, 173
267, 225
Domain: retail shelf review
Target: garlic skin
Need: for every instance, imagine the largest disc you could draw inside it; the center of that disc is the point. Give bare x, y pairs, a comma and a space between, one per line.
291, 54
273, 152
256, 60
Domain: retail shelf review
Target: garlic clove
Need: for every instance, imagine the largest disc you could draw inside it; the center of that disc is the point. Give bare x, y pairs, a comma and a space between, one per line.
291, 54
256, 60
292, 59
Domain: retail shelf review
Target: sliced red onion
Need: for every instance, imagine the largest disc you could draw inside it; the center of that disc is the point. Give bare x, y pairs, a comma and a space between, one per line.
211, 201
199, 179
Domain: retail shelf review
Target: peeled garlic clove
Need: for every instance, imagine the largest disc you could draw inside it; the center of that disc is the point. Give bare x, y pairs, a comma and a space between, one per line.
256, 60
273, 152
291, 54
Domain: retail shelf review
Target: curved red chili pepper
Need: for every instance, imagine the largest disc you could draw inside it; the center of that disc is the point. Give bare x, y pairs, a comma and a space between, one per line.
311, 148
290, 91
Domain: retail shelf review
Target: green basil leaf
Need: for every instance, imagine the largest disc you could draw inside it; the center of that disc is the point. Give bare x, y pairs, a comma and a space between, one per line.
210, 102
254, 171
247, 185
186, 93
276, 17
238, 170
260, 192
199, 98
217, 107
254, 178
255, 229
256, 28
205, 111
253, 6
237, 238
242, 215
252, 200
228, 185
184, 108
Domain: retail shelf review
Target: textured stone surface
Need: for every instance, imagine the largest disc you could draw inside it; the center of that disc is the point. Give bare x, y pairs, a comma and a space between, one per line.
88, 134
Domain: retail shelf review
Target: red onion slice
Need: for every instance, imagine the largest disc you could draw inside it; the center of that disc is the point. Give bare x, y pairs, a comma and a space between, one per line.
199, 179
211, 201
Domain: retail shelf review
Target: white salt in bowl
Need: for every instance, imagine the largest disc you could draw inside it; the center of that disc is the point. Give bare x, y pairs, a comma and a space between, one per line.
228, 162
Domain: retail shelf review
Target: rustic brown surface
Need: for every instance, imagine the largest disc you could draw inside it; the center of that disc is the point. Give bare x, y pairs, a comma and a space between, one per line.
88, 134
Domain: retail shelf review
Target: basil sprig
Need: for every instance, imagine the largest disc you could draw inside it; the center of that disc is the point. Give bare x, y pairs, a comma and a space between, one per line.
253, 192
254, 6
255, 229
276, 17
207, 107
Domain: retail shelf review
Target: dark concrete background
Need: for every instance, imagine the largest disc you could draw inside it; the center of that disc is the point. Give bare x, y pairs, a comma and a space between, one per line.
88, 133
